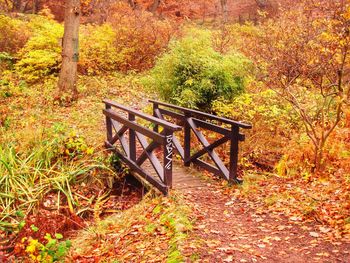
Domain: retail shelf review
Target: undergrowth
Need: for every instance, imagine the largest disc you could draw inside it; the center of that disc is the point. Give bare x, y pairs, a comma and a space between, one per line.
151, 230
192, 74
54, 171
50, 169
50, 165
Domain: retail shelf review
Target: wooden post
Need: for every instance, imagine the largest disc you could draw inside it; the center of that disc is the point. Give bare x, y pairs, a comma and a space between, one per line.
187, 140
168, 159
234, 154
155, 107
132, 140
109, 125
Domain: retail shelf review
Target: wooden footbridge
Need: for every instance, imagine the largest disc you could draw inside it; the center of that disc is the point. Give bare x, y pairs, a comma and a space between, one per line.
146, 143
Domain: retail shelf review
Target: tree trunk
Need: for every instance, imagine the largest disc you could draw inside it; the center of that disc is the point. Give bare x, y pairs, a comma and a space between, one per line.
19, 6
132, 4
224, 10
35, 6
153, 8
67, 83
318, 159
6, 6
16, 4
262, 4
24, 6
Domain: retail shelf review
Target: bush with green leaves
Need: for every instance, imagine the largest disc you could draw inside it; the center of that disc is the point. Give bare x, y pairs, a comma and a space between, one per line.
53, 250
41, 56
6, 61
193, 74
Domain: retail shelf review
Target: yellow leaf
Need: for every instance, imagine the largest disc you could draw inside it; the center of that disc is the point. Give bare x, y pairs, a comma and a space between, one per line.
90, 151
31, 248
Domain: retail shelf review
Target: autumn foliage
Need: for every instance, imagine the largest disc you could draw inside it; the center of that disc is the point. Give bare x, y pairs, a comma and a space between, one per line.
129, 41
13, 34
305, 60
281, 65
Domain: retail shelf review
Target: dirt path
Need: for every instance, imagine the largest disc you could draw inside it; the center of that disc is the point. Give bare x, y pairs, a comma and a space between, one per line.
228, 230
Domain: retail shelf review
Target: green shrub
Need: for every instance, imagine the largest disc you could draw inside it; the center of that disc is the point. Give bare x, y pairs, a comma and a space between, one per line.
52, 250
9, 88
38, 63
13, 34
193, 74
41, 56
6, 61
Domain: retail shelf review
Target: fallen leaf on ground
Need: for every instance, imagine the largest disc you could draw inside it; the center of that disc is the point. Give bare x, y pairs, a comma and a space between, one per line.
314, 234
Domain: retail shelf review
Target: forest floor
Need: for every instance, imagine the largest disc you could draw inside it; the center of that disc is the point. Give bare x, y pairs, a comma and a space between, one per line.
224, 227
267, 219
231, 229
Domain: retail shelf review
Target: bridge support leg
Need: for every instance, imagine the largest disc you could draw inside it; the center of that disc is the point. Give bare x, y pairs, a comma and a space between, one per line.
132, 140
109, 125
234, 155
155, 107
187, 141
168, 159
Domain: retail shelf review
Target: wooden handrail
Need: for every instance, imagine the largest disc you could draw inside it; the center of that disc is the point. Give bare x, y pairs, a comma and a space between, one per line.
134, 126
201, 123
203, 115
127, 132
123, 133
163, 123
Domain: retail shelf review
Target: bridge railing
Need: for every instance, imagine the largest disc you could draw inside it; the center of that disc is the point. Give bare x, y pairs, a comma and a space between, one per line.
193, 121
127, 132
